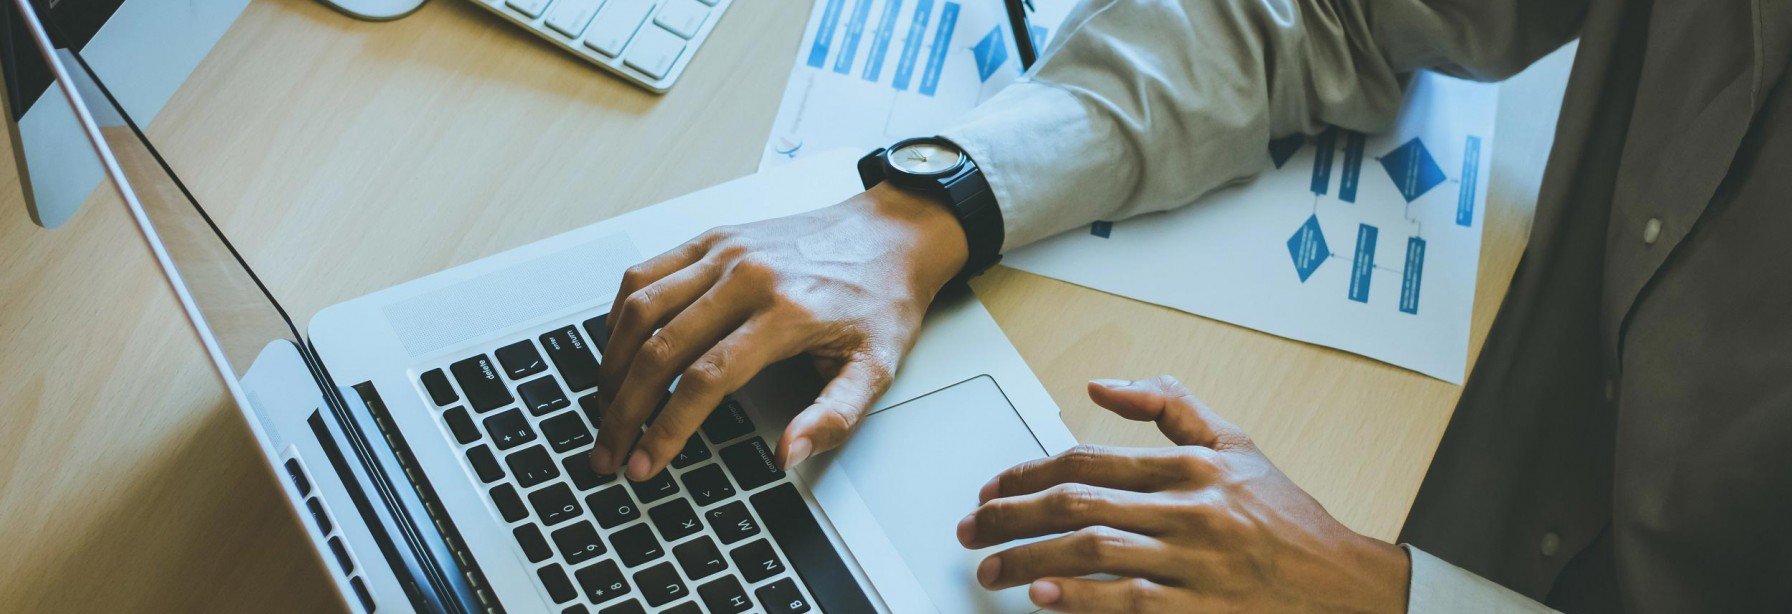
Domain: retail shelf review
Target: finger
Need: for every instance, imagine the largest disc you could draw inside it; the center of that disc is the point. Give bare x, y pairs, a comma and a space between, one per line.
1061, 509
836, 413
1087, 551
634, 318
653, 269
1181, 417
1137, 469
662, 356
1082, 595
718, 373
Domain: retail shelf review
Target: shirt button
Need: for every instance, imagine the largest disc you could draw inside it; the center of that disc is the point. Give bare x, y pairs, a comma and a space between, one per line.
1550, 544
1651, 231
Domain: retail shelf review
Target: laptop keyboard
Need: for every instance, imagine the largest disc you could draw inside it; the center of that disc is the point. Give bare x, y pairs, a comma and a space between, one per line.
720, 530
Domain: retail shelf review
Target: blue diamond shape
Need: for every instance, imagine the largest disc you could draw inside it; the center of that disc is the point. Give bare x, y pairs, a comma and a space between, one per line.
991, 52
1413, 169
1280, 150
1308, 249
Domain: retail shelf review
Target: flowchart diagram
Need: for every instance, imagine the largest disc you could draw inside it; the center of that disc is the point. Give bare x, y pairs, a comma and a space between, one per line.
1415, 174
872, 71
1368, 243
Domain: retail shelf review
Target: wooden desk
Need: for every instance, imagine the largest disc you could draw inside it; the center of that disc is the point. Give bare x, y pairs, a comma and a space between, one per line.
406, 147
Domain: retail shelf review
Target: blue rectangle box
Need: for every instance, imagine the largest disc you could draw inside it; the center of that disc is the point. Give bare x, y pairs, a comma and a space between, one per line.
1471, 171
1322, 160
1363, 265
880, 41
936, 57
911, 45
824, 34
855, 30
1353, 166
1415, 271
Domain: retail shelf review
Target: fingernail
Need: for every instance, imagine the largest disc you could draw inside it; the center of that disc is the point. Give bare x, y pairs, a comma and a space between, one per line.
638, 466
989, 490
967, 529
799, 452
1044, 592
988, 570
600, 459
1108, 382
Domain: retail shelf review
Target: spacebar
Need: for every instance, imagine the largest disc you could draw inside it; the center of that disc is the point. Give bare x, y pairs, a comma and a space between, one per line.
791, 523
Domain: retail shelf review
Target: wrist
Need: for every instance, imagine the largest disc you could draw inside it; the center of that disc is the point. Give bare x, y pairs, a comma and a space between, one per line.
934, 238
1388, 571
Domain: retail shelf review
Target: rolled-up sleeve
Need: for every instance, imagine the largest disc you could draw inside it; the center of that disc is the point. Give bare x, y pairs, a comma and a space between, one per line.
1146, 105
1438, 586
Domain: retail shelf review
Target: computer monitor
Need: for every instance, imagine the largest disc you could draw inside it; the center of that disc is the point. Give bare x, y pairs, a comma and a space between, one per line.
143, 48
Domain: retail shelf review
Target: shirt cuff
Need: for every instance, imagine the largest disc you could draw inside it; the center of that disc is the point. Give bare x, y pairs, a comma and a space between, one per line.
1438, 586
1043, 156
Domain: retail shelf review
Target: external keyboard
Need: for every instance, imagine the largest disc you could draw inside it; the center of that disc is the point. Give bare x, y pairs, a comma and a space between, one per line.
714, 532
648, 42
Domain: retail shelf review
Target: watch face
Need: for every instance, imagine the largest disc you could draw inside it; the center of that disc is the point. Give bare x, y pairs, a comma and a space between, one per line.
925, 158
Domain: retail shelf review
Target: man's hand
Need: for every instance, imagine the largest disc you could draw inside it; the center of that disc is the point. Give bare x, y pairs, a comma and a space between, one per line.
1207, 526
848, 285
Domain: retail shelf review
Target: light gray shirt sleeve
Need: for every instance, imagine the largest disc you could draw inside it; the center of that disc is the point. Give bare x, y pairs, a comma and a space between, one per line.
1145, 105
1438, 586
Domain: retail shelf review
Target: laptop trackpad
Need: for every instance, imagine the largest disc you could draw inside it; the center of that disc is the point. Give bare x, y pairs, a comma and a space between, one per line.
918, 466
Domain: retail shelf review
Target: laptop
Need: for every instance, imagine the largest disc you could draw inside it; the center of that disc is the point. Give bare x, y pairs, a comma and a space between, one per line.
431, 437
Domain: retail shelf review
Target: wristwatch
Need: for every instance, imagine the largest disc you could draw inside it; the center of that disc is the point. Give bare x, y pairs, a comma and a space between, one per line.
934, 167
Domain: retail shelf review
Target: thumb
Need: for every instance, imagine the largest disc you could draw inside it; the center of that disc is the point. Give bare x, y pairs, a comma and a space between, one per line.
1185, 420
827, 422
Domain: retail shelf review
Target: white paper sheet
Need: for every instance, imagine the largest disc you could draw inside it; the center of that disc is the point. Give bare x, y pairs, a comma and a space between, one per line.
870, 72
1371, 250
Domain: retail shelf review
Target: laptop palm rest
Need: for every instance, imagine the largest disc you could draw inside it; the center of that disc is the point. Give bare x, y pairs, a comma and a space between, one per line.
918, 466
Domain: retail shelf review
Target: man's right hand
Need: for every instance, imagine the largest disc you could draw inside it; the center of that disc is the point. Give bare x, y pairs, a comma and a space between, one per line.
847, 285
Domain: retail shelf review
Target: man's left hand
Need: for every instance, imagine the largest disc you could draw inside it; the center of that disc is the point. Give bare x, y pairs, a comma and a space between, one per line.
1208, 525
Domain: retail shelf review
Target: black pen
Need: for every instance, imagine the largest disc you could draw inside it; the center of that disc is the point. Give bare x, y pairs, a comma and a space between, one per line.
1023, 33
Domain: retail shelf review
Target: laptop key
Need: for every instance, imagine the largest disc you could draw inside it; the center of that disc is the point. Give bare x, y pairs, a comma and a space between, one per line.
578, 542
566, 431
688, 607
707, 485
700, 558
675, 520
479, 377
461, 425
660, 584
573, 357
520, 359
751, 463
577, 608
532, 466
757, 560
509, 504
725, 596
588, 404
509, 429
625, 607
317, 514
555, 504
534, 545
559, 588
694, 452
612, 506
439, 390
732, 522
636, 545
578, 467
793, 526
727, 422
655, 488
598, 331
602, 581
542, 396
782, 597
484, 464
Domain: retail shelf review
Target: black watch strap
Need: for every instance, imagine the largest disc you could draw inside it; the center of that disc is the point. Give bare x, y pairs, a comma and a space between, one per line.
971, 200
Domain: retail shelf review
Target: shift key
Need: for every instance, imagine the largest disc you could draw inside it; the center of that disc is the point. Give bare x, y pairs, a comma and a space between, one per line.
479, 377
573, 357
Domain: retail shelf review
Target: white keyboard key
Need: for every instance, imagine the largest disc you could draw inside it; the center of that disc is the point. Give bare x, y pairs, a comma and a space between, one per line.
532, 8
654, 51
569, 17
682, 17
615, 24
